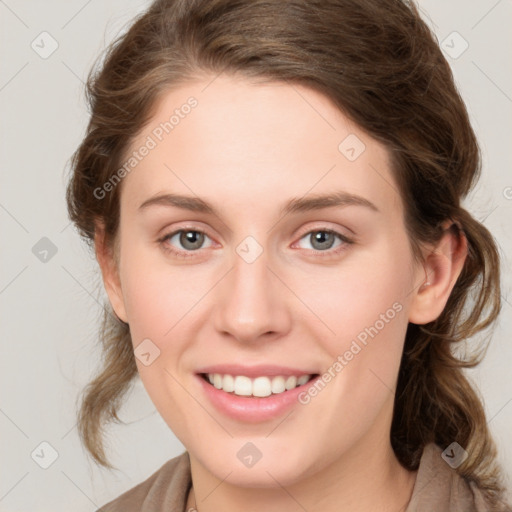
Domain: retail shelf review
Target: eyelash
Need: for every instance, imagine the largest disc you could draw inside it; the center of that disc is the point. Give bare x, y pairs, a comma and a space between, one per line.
320, 254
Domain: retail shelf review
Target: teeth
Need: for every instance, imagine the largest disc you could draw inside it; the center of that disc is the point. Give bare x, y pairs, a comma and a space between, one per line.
243, 386
277, 385
217, 381
291, 382
228, 383
260, 386
302, 380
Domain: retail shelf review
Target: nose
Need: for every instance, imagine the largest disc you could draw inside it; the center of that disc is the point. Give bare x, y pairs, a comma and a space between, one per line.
251, 302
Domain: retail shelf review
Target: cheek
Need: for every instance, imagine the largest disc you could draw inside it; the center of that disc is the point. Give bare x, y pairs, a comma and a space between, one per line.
155, 293
376, 282
366, 308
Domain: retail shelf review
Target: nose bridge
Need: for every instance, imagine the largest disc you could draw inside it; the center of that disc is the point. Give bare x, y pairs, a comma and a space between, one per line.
249, 303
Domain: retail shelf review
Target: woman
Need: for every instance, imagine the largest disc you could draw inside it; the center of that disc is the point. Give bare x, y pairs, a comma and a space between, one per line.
273, 193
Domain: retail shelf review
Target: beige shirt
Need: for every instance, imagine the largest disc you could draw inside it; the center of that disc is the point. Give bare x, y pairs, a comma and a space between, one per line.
438, 488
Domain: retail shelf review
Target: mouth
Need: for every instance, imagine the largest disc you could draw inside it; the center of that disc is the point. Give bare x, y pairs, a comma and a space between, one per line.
254, 394
256, 387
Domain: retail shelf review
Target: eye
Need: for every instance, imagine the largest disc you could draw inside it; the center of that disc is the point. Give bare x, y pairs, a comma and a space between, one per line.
322, 240
190, 240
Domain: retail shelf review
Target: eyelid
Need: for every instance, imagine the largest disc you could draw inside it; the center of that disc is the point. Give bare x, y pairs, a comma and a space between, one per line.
332, 252
346, 240
167, 235
325, 227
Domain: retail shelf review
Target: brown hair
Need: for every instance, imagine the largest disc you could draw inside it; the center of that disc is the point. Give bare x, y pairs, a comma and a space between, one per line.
378, 61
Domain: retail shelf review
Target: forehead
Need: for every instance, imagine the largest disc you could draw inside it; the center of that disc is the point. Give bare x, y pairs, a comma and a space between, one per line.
234, 142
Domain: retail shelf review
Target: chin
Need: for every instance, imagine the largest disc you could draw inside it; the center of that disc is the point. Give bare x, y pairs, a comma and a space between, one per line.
268, 468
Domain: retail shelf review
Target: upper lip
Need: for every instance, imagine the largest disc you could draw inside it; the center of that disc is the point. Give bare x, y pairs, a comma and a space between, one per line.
255, 371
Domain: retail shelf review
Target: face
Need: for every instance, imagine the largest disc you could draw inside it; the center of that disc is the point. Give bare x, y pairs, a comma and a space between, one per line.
268, 282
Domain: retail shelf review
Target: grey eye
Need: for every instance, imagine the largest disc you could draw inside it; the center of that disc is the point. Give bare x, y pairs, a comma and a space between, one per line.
191, 240
321, 240
188, 239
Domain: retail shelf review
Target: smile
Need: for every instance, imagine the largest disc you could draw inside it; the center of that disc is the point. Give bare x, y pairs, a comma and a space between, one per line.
261, 386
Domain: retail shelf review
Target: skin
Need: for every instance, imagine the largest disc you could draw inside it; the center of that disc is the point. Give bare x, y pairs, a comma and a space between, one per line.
247, 148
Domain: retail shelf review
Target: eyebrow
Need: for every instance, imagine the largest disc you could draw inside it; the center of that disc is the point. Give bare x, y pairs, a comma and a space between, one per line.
295, 205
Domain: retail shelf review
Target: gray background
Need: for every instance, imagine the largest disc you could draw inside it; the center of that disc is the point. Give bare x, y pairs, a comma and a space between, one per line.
50, 309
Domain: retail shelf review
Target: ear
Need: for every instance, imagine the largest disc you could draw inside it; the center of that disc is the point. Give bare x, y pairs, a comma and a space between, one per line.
110, 272
443, 265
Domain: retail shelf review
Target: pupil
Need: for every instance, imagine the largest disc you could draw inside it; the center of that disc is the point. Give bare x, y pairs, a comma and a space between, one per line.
321, 236
191, 239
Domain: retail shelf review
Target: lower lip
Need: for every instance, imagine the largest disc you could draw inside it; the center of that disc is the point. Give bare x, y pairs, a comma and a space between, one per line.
253, 409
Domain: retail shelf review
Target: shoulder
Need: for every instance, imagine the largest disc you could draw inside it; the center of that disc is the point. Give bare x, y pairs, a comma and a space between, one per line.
439, 487
165, 490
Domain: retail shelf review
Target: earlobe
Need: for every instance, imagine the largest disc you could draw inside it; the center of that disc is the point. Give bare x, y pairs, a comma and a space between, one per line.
442, 267
110, 273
